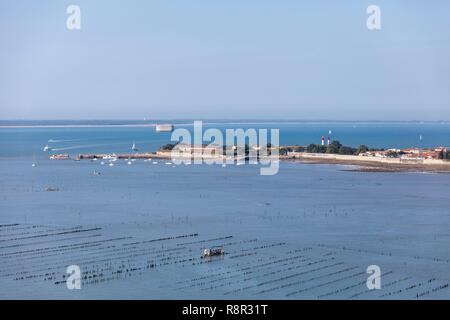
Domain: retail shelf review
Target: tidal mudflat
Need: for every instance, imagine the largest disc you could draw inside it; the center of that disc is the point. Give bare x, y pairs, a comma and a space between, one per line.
138, 231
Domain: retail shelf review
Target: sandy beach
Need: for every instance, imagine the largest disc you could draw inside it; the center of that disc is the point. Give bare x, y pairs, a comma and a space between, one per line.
370, 166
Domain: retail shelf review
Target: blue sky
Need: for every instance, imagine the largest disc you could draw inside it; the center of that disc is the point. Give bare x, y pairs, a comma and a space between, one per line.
225, 59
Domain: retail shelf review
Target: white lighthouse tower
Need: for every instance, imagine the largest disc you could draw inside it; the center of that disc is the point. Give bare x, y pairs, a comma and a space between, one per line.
323, 140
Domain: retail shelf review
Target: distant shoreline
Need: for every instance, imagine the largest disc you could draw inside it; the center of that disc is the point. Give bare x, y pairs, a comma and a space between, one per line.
189, 122
360, 165
377, 166
363, 164
77, 126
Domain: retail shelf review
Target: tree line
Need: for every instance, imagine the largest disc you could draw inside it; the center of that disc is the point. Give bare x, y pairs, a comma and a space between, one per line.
333, 148
444, 155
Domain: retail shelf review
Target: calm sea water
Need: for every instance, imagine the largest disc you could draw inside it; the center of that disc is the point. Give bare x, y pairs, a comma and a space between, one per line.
138, 231
309, 232
16, 142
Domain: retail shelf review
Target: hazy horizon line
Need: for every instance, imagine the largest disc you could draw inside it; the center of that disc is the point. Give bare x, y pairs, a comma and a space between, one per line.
258, 120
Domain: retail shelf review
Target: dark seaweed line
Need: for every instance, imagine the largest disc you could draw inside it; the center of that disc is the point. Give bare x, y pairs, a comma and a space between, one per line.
163, 254
252, 278
128, 272
340, 290
75, 257
218, 269
12, 274
411, 287
330, 282
43, 229
95, 277
254, 286
290, 284
23, 227
292, 266
253, 250
291, 275
77, 246
61, 250
164, 239
389, 254
249, 270
240, 264
86, 263
435, 289
391, 283
257, 269
257, 276
57, 247
228, 244
266, 246
38, 254
86, 249
24, 265
8, 225
53, 234
206, 240
47, 241
27, 227
83, 262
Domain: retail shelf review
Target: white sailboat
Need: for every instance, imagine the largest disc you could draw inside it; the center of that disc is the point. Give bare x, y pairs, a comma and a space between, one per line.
133, 147
46, 148
34, 164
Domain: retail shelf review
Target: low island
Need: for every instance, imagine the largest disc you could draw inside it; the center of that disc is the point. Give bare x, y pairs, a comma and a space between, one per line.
366, 159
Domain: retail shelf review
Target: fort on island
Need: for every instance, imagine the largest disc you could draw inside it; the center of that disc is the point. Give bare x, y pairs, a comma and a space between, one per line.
436, 159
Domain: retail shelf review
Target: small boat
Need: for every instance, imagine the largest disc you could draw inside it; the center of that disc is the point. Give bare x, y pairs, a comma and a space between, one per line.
213, 252
164, 127
64, 156
111, 157
46, 148
111, 164
134, 148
